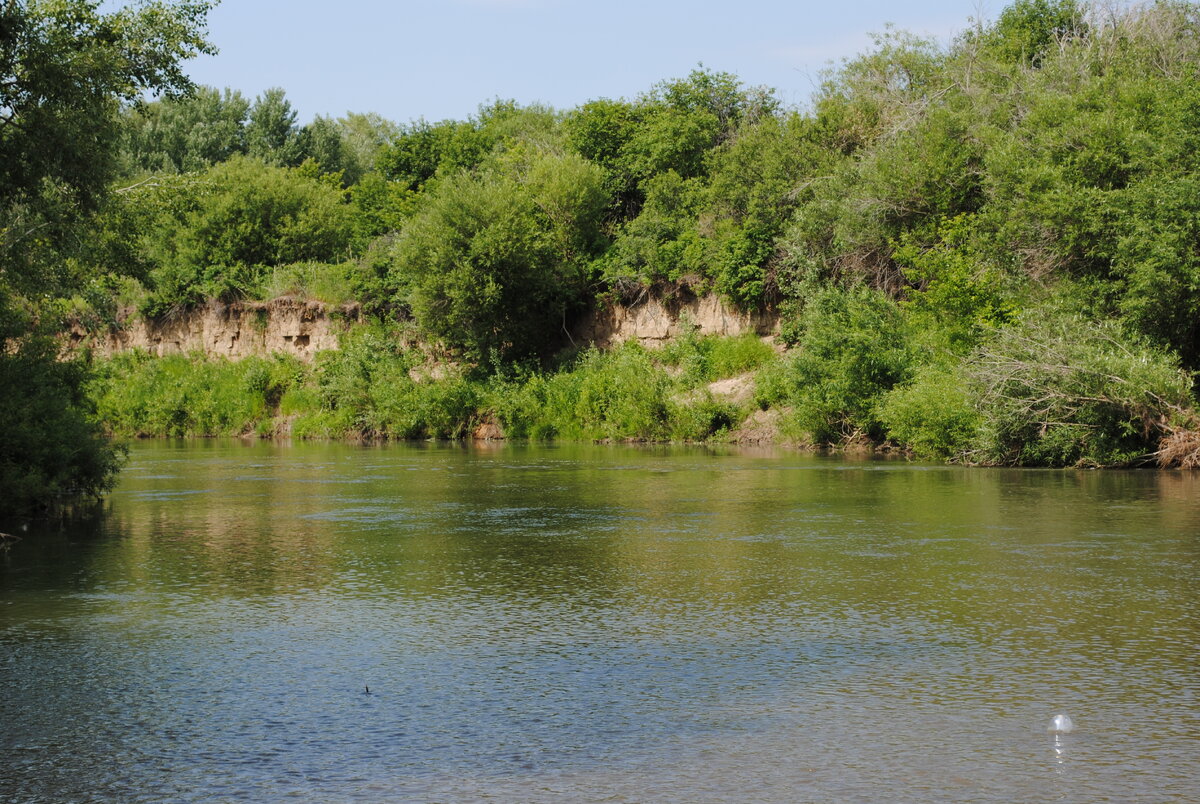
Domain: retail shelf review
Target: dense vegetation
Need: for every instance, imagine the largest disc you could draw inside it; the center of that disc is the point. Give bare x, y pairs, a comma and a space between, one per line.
374, 388
65, 68
986, 251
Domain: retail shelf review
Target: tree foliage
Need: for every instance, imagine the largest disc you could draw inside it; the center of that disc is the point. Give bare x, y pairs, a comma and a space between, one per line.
1058, 390
216, 234
65, 66
902, 224
186, 134
495, 259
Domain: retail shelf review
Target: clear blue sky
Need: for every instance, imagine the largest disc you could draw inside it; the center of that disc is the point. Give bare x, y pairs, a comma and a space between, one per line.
442, 58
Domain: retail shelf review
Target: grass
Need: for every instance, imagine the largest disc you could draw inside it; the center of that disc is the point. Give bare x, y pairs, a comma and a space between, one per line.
375, 388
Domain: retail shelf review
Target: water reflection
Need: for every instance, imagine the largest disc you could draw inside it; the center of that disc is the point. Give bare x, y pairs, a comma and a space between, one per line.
1060, 749
592, 622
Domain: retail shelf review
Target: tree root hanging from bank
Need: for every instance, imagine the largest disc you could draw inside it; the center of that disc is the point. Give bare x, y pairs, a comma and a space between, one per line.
1179, 448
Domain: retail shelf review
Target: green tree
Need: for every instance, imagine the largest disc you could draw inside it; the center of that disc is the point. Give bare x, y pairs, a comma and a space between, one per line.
364, 135
180, 135
1028, 29
422, 151
1059, 390
65, 66
854, 349
494, 260
214, 235
601, 131
756, 182
322, 141
416, 155
272, 134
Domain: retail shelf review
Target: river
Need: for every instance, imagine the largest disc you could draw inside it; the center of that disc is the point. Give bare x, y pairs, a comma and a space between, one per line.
329, 622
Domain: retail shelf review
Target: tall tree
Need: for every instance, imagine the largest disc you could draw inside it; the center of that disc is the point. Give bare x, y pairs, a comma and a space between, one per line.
187, 134
65, 67
272, 134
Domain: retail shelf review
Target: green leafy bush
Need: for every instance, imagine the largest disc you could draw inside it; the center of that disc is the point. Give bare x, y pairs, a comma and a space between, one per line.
854, 348
51, 440
621, 394
219, 235
493, 261
701, 419
1060, 390
934, 414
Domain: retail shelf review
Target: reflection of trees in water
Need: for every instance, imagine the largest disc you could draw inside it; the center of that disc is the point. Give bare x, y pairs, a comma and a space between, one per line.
230, 518
613, 525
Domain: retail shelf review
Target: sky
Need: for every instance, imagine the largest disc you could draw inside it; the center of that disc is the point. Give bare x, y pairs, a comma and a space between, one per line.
441, 59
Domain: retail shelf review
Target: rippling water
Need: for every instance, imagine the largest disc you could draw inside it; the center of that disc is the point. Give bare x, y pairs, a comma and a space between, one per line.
602, 624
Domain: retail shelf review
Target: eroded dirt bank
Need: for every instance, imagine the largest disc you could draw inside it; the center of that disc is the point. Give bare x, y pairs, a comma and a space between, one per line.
302, 328
659, 316
237, 330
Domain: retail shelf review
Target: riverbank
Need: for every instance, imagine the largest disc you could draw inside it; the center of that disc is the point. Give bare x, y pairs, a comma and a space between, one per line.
854, 380
695, 388
301, 327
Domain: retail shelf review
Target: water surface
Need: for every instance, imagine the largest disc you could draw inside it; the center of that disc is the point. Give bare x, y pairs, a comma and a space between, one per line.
602, 623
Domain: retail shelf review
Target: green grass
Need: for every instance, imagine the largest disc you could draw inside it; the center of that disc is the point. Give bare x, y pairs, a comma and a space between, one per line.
373, 387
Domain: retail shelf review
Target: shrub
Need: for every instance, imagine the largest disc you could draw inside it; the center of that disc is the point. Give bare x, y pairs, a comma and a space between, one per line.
406, 409
1061, 390
493, 261
853, 349
218, 235
619, 394
934, 414
700, 419
51, 442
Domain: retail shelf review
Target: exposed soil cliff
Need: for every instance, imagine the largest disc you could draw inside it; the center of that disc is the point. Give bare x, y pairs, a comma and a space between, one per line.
302, 328
661, 315
241, 329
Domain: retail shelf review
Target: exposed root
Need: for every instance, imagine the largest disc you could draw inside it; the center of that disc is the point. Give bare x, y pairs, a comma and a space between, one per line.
1179, 448
488, 430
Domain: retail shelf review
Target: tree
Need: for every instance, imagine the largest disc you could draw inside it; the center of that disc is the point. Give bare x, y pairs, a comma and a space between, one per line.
272, 134
421, 150
1028, 29
213, 235
1058, 390
185, 134
364, 135
65, 67
601, 131
323, 142
494, 259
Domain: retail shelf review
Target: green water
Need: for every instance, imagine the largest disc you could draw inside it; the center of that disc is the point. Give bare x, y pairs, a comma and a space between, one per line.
601, 623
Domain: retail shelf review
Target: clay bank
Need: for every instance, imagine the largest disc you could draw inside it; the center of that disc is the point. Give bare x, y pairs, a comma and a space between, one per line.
303, 327
237, 330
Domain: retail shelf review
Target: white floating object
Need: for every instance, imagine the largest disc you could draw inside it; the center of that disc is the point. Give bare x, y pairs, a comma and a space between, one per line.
1061, 724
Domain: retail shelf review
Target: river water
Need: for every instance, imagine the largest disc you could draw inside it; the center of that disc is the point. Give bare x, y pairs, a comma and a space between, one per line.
592, 623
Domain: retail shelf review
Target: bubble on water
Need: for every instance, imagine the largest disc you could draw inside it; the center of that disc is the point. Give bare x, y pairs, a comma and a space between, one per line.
1061, 724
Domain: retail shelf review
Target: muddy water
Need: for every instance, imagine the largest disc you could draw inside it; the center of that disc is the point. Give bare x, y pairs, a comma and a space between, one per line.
258, 622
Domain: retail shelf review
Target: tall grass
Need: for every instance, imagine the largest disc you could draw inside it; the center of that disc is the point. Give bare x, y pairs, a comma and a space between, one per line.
375, 387
705, 359
138, 395
325, 282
